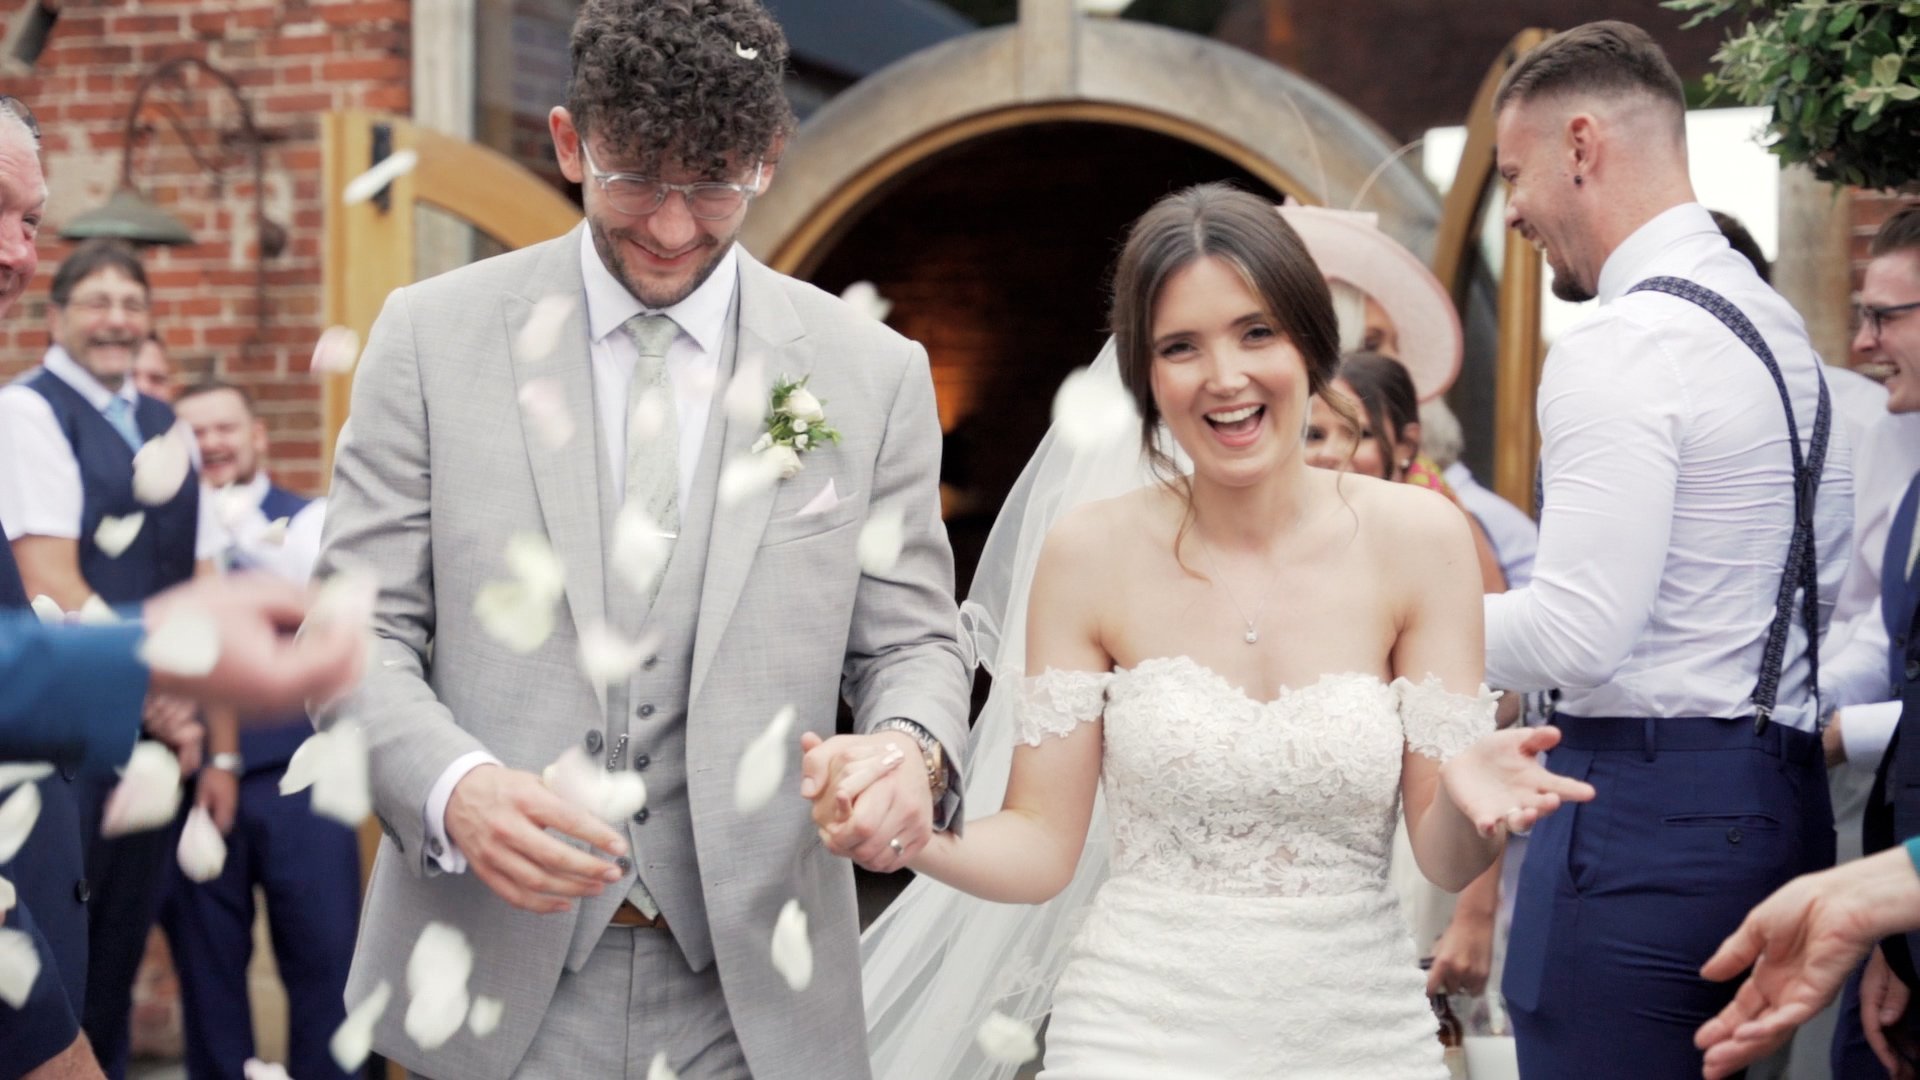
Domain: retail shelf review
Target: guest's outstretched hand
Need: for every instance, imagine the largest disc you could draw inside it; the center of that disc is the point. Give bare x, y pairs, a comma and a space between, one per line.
866, 806
1499, 782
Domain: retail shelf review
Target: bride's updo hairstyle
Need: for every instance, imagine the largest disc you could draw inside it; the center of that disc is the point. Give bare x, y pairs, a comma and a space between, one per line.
1247, 233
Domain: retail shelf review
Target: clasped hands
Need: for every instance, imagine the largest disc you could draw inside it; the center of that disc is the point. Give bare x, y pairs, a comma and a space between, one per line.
870, 797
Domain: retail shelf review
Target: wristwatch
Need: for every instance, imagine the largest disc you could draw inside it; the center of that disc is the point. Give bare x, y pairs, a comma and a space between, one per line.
228, 761
930, 750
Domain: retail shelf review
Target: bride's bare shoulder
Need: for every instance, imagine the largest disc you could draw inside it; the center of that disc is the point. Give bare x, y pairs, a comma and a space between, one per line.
1095, 536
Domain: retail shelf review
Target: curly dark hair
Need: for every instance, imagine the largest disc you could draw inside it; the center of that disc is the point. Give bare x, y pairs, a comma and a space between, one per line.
697, 82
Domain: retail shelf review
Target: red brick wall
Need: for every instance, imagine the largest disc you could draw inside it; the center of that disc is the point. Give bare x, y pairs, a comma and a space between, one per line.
294, 60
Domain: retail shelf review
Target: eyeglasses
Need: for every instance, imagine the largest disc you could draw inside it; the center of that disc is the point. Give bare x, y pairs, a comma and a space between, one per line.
1876, 316
638, 196
19, 108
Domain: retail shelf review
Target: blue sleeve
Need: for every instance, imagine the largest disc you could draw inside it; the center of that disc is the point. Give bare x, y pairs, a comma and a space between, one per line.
69, 694
44, 1024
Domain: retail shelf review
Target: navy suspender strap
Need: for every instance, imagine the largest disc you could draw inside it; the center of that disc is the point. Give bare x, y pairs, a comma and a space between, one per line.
1802, 569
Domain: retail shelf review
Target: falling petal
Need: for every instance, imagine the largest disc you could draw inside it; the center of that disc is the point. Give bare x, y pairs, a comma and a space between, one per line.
233, 505
649, 416
532, 560
513, 616
374, 180
1006, 1040
792, 952
17, 817
346, 599
148, 793
821, 503
353, 1040
485, 1015
543, 405
1090, 411
746, 398
340, 789
255, 1069
764, 764
640, 549
49, 612
437, 974
744, 53
8, 897
186, 643
541, 332
11, 774
608, 658
304, 764
95, 612
747, 476
880, 541
660, 1070
19, 967
201, 851
866, 299
275, 534
337, 351
160, 468
115, 533
611, 796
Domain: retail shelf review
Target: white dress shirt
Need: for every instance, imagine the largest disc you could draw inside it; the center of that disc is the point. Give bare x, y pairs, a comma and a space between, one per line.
41, 493
1669, 496
1514, 536
693, 365
238, 531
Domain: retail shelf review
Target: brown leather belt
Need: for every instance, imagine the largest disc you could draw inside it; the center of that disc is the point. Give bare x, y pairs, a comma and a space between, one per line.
628, 915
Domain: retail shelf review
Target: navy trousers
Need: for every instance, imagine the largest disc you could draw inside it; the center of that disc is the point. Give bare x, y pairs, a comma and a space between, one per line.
128, 878
1622, 899
44, 1024
309, 869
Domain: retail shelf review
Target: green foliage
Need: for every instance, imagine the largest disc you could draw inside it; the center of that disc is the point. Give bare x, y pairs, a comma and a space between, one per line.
1841, 76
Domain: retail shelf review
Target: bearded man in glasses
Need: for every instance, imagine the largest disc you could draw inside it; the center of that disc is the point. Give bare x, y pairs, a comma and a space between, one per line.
622, 396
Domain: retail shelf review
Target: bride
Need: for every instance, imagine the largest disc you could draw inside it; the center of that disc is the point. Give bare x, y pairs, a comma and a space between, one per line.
1250, 663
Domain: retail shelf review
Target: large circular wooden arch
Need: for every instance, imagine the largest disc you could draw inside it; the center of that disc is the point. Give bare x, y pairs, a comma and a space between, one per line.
1056, 67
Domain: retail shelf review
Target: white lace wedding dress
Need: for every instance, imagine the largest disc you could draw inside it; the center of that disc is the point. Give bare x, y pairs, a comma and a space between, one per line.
1247, 929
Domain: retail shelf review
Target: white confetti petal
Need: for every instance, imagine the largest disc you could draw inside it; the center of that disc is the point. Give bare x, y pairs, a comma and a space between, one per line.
584, 782
304, 765
17, 817
747, 476
763, 765
640, 549
95, 612
660, 1070
187, 642
8, 896
540, 334
746, 397
437, 974
881, 539
255, 1069
608, 658
345, 599
792, 951
49, 612
543, 405
232, 505
865, 297
369, 183
485, 1015
512, 615
353, 1040
148, 794
160, 468
1006, 1040
337, 351
649, 416
744, 53
115, 533
275, 534
19, 967
1089, 411
532, 560
340, 790
30, 772
201, 851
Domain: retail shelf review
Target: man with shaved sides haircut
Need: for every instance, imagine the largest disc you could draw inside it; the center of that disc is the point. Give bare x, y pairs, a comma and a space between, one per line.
1696, 508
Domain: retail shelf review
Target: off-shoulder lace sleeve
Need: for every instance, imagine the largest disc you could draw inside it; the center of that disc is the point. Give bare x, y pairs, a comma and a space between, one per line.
1055, 702
1440, 723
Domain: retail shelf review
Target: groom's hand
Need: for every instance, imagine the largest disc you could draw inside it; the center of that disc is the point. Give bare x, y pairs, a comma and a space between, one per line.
499, 818
895, 804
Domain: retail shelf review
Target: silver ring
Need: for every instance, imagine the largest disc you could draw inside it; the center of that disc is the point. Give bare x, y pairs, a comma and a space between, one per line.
898, 847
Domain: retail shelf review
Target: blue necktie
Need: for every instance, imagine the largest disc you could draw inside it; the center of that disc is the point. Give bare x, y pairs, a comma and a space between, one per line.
119, 413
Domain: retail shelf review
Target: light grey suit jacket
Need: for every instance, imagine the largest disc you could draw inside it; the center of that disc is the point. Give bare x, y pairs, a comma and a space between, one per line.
433, 474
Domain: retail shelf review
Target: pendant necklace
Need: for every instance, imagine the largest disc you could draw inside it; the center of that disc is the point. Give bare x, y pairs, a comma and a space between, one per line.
1253, 631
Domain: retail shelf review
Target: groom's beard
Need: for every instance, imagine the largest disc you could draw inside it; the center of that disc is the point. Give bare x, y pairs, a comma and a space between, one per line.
609, 243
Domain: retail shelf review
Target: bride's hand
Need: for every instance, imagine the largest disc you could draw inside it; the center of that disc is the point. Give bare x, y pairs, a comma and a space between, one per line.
1499, 783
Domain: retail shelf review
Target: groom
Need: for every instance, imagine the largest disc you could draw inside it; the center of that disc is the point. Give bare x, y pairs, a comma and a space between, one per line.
610, 946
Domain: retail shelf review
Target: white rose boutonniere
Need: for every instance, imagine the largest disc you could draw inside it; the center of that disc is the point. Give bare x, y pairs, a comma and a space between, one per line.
796, 423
